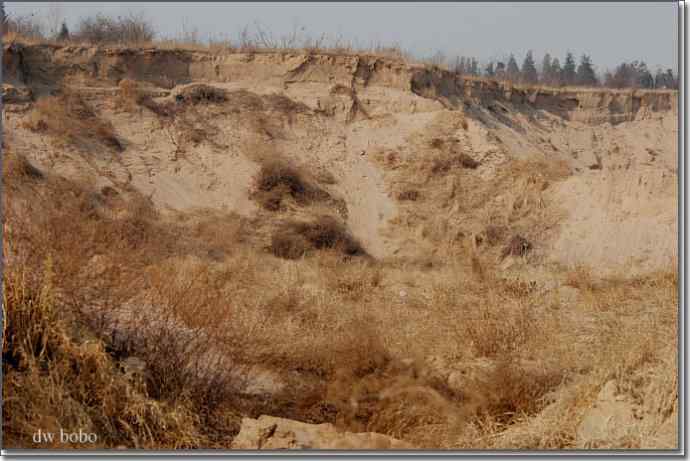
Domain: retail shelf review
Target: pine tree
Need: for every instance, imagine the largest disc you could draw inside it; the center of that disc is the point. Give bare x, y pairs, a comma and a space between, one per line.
462, 68
569, 73
500, 71
625, 75
456, 66
512, 71
474, 67
529, 70
671, 80
489, 70
585, 72
546, 69
660, 79
556, 72
644, 77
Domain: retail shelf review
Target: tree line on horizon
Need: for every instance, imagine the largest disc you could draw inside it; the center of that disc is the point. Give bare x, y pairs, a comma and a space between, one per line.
634, 74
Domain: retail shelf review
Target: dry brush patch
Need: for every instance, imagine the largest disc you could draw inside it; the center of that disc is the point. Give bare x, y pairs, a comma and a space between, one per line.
69, 119
608, 337
190, 325
277, 181
54, 381
327, 329
296, 239
99, 263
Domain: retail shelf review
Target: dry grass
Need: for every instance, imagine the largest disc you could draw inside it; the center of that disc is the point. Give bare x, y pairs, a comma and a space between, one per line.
320, 324
54, 381
279, 184
165, 314
70, 120
296, 239
438, 348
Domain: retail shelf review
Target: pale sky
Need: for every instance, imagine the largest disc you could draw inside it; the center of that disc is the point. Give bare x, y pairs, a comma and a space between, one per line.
609, 32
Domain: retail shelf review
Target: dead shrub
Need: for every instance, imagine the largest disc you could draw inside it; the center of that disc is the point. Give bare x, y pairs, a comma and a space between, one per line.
129, 29
201, 93
445, 162
466, 161
494, 234
278, 174
441, 164
296, 239
436, 143
392, 159
411, 195
517, 246
277, 180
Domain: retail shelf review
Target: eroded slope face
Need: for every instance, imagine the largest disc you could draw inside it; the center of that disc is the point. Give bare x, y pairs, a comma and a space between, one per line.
346, 227
342, 116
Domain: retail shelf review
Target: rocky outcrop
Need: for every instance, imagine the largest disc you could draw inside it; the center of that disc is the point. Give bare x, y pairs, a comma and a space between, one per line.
609, 421
270, 433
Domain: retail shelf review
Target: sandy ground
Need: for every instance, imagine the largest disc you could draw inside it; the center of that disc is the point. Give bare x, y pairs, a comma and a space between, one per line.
611, 207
